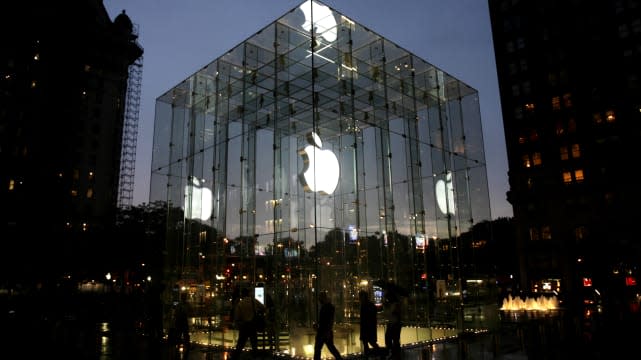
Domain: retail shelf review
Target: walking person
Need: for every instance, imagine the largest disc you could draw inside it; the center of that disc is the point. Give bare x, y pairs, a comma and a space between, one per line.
368, 334
394, 324
244, 319
325, 328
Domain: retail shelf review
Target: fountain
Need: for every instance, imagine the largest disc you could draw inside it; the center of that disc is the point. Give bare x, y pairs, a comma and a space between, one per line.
541, 303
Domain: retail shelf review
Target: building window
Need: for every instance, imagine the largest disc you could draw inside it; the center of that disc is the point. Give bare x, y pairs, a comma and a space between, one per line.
89, 193
597, 118
580, 233
529, 106
567, 177
564, 153
526, 161
567, 100
578, 175
518, 113
523, 63
559, 128
556, 103
536, 158
571, 125
576, 151
12, 184
534, 234
515, 90
609, 116
546, 233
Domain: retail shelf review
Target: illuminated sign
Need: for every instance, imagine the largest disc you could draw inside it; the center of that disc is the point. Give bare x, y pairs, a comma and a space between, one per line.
321, 170
445, 195
324, 21
199, 200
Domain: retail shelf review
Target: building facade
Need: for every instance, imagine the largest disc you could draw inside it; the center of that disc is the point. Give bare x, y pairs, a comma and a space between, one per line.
570, 91
318, 155
64, 71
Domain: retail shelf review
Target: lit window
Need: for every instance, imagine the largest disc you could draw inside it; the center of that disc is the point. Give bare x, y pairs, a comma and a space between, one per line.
567, 177
74, 193
534, 234
567, 100
536, 158
556, 103
91, 174
89, 193
534, 135
580, 233
578, 175
564, 153
33, 84
576, 151
12, 184
597, 118
529, 107
522, 139
546, 233
530, 183
526, 161
36, 57
559, 128
609, 115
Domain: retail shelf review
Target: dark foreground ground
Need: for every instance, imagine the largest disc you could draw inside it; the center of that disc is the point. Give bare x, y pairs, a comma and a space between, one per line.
72, 329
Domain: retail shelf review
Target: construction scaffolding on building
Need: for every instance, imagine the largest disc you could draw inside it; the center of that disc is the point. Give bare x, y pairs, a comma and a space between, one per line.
130, 134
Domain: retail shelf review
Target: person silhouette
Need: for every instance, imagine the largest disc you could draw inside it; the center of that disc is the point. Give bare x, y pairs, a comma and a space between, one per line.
368, 334
325, 328
244, 319
394, 324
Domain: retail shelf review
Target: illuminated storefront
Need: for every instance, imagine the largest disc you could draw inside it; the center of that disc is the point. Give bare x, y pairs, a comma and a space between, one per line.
314, 158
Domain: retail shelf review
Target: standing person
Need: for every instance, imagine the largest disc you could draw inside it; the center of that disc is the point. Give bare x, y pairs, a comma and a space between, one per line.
325, 328
368, 323
244, 319
181, 321
394, 324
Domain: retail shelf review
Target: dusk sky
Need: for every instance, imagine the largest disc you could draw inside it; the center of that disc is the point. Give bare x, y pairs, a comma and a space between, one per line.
180, 37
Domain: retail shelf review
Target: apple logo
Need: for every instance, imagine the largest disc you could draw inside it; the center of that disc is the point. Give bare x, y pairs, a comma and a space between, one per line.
201, 200
321, 170
445, 195
325, 23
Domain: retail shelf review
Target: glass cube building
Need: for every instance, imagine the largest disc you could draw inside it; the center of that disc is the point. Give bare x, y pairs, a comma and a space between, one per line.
319, 156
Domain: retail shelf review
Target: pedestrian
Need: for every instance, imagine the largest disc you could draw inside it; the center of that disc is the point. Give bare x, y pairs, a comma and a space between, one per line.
181, 322
244, 319
368, 335
325, 328
394, 323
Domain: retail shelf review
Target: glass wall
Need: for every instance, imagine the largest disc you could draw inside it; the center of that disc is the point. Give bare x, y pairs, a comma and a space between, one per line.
318, 155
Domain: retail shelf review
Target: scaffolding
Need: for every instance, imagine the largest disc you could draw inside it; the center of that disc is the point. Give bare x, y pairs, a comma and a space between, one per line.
130, 134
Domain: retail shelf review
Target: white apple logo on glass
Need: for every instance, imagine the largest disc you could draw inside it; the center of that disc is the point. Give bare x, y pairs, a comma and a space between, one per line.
321, 170
324, 23
445, 195
201, 200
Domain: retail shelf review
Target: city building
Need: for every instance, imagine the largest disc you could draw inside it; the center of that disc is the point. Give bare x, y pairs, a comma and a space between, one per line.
69, 93
569, 80
319, 155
